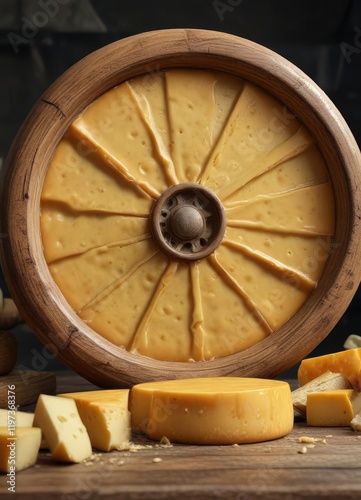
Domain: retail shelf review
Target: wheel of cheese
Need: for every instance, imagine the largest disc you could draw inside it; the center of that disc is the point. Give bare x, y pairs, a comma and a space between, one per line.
185, 212
221, 410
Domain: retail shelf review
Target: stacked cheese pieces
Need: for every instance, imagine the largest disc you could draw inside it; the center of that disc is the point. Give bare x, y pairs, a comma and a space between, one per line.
19, 441
330, 389
71, 425
226, 410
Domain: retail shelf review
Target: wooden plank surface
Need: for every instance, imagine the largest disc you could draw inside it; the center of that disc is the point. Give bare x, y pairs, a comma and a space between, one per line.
28, 385
271, 470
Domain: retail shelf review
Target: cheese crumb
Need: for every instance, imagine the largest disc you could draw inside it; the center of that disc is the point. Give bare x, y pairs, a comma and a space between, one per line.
156, 460
131, 447
302, 450
165, 443
306, 439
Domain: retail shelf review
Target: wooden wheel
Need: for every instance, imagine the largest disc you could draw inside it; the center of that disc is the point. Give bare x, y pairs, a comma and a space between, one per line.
147, 227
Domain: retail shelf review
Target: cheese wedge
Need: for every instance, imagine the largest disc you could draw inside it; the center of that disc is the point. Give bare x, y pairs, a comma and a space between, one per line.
220, 410
63, 429
346, 362
18, 449
106, 417
326, 381
332, 408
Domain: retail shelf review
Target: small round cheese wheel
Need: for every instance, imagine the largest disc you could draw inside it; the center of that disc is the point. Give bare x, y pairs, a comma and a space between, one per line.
220, 410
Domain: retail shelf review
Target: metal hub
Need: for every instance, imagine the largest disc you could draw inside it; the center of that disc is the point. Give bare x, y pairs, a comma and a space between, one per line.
188, 222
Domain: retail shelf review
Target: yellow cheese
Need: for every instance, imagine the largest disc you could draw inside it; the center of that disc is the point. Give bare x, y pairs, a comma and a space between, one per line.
124, 151
325, 382
106, 417
332, 408
16, 418
63, 429
346, 362
221, 410
19, 448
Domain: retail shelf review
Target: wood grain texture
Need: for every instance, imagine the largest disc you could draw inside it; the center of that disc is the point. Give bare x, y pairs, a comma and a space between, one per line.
39, 300
271, 470
28, 385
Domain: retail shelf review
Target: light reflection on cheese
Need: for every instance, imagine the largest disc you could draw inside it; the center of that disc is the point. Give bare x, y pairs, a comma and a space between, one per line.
123, 152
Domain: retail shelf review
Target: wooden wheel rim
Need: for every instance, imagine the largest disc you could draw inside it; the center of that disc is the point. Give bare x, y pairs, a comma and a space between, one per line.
39, 300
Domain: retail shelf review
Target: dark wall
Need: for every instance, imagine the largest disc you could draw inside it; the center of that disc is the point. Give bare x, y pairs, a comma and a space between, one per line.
40, 39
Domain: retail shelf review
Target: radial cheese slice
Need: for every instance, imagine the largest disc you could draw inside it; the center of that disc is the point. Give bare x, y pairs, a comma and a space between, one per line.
221, 410
18, 449
63, 429
346, 362
105, 416
332, 408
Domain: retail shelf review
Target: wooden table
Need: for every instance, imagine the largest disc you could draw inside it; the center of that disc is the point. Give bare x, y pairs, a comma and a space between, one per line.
272, 470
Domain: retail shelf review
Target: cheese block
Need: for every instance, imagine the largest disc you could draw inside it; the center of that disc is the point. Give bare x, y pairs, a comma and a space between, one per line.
332, 408
19, 448
16, 419
326, 381
220, 410
105, 415
63, 429
346, 362
140, 139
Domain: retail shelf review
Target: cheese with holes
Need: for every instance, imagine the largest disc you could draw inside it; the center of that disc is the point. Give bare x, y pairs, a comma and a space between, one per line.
220, 410
127, 148
106, 417
332, 408
346, 362
63, 429
19, 450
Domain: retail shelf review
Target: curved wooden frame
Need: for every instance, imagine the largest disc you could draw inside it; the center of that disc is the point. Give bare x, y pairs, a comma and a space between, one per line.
32, 287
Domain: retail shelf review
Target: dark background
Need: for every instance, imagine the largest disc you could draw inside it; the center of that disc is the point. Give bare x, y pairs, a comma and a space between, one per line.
40, 39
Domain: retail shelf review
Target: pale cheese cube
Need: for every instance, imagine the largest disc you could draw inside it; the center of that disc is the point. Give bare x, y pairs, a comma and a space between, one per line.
19, 448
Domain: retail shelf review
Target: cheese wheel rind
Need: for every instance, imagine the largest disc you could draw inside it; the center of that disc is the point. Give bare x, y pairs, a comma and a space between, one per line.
220, 410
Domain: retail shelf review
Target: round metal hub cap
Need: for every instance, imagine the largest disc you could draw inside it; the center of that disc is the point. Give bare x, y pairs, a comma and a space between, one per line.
188, 222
